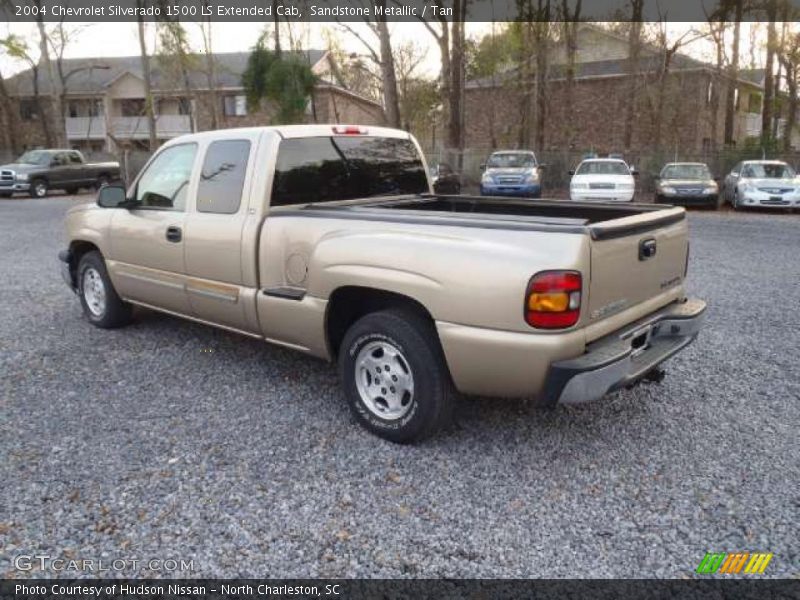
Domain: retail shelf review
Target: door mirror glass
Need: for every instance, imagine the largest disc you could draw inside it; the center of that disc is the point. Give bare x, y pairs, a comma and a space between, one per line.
571, 171
111, 196
483, 166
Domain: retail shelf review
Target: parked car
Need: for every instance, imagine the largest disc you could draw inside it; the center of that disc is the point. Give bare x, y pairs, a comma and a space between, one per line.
687, 183
602, 179
39, 171
444, 179
512, 173
755, 183
326, 239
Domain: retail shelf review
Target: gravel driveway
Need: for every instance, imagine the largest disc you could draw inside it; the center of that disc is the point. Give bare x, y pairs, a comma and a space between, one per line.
170, 440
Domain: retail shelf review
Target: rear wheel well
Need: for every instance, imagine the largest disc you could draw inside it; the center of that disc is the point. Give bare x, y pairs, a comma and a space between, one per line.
348, 304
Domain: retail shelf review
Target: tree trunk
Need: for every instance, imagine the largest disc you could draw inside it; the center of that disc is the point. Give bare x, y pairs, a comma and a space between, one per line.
10, 128
769, 77
525, 16
570, 33
388, 76
733, 75
211, 76
277, 24
54, 109
794, 104
44, 119
148, 91
634, 50
455, 139
542, 29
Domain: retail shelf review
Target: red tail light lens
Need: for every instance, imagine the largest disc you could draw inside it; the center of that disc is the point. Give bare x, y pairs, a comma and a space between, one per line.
553, 299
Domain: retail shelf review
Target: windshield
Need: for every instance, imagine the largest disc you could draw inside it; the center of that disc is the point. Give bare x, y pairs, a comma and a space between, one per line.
768, 171
603, 167
508, 160
35, 157
686, 172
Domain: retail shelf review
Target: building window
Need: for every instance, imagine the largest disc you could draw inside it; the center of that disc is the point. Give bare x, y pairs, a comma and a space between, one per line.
28, 110
754, 103
234, 106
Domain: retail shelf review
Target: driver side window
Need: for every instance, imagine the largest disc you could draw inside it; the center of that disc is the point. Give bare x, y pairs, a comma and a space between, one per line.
164, 185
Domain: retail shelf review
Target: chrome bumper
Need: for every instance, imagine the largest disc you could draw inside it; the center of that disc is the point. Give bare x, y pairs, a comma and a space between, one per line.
625, 356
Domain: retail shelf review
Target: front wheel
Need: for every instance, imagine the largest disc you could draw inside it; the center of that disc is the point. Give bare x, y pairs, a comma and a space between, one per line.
99, 300
394, 376
38, 188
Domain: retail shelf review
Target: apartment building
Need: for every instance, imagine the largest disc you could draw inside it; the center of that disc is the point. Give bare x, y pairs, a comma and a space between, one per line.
104, 101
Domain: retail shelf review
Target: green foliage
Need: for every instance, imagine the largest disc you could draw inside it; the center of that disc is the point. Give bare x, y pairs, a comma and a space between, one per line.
287, 81
16, 47
493, 53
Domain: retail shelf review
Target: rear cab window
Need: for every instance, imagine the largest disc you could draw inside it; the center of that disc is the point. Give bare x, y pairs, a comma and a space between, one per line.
222, 177
323, 169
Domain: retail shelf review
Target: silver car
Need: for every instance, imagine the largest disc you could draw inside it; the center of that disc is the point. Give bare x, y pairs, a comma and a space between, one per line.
759, 183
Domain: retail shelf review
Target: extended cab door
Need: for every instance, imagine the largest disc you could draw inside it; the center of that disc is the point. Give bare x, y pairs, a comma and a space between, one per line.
147, 240
216, 241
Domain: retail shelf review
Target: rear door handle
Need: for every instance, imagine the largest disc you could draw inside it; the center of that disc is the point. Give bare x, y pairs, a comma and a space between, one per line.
174, 234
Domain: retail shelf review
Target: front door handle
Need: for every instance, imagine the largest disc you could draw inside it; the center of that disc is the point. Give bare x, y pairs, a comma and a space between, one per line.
174, 234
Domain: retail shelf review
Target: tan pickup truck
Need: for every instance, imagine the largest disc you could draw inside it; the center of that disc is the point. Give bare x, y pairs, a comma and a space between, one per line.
328, 240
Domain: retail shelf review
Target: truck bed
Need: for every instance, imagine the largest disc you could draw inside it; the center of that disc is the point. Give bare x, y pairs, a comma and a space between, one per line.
600, 220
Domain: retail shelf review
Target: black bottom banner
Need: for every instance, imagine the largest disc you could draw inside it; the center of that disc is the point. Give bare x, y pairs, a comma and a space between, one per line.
214, 589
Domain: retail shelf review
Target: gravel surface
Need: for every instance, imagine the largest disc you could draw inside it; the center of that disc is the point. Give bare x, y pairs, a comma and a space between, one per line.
171, 440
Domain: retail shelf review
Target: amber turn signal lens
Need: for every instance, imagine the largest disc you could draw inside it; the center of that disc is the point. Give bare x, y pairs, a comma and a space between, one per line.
548, 302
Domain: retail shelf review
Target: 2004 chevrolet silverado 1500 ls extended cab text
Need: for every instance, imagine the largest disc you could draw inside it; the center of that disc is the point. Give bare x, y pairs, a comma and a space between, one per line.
327, 239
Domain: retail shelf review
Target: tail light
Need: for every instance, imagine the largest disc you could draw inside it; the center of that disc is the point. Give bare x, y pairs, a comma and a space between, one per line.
349, 130
553, 299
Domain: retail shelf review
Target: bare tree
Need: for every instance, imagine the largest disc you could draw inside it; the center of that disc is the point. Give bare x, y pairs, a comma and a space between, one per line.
634, 52
733, 73
17, 48
569, 34
451, 39
149, 107
53, 108
10, 129
716, 25
210, 69
768, 107
383, 59
175, 56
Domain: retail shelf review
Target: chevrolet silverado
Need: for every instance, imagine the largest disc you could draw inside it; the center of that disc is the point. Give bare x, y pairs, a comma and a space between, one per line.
328, 239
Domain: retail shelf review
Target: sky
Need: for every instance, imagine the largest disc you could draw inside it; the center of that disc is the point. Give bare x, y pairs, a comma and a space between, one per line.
121, 39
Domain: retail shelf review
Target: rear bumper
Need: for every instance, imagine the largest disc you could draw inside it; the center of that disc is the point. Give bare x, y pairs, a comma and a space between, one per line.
625, 356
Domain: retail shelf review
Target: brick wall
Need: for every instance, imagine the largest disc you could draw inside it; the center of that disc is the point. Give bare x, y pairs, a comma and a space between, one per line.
494, 115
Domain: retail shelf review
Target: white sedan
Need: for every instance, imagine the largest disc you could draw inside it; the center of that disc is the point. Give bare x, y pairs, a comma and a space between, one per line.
756, 183
602, 180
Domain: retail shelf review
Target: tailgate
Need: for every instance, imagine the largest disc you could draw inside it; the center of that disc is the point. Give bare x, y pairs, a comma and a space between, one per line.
634, 259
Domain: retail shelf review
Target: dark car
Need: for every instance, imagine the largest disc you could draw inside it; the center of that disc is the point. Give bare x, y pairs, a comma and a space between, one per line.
687, 184
38, 171
445, 179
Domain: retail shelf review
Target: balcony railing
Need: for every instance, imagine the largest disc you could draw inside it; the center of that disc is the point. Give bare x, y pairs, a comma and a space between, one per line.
85, 128
167, 126
93, 128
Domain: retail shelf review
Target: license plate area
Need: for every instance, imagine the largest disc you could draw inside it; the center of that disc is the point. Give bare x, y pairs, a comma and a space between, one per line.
640, 340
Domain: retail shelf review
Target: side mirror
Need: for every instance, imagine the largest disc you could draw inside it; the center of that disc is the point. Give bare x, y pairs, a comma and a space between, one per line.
571, 171
656, 177
634, 172
111, 196
542, 166
483, 166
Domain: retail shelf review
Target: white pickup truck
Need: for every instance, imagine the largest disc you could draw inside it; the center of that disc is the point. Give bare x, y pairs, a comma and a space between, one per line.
328, 239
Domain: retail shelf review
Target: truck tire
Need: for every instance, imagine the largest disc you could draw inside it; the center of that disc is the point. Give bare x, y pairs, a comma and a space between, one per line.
395, 377
39, 188
99, 300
